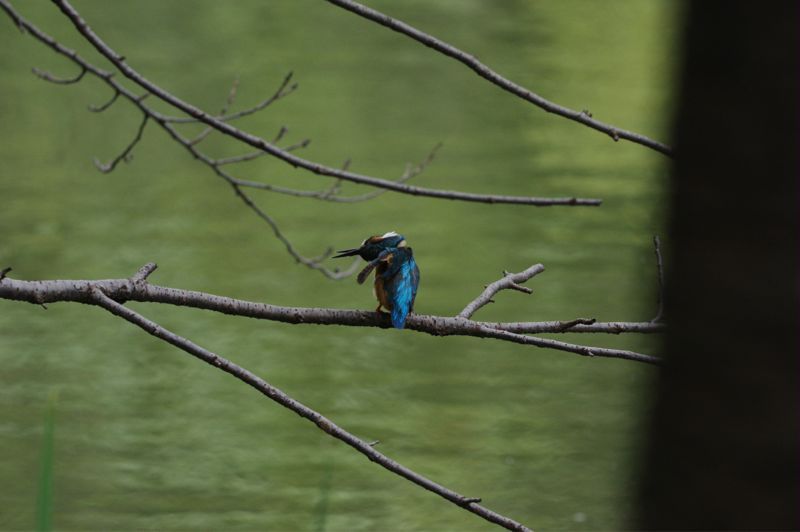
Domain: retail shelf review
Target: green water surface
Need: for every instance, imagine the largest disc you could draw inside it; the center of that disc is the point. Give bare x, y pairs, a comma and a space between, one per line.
149, 438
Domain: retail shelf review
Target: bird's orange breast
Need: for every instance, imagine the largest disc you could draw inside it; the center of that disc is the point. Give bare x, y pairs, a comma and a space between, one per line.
380, 293
380, 289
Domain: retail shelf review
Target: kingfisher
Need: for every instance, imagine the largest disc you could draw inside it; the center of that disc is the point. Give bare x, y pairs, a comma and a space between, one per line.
396, 273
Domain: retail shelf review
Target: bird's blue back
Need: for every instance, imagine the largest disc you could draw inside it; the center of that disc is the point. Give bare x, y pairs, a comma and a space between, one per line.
400, 280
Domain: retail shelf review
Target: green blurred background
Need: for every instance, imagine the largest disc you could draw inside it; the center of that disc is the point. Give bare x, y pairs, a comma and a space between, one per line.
146, 437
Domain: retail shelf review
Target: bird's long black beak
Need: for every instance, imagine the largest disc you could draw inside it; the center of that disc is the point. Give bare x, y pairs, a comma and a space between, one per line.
346, 253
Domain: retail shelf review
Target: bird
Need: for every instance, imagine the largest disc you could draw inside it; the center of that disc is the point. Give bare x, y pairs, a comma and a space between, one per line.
396, 273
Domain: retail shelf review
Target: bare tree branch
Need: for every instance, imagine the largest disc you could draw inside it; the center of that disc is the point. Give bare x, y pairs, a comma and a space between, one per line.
97, 296
509, 281
583, 117
259, 143
41, 292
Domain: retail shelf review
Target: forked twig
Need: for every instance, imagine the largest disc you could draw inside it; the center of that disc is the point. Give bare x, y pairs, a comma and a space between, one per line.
125, 155
509, 281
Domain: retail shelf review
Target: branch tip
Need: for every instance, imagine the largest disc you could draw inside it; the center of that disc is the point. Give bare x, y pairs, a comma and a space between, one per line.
508, 281
144, 272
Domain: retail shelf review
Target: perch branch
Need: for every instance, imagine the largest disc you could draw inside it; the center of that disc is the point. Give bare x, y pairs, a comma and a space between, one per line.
582, 117
41, 292
98, 297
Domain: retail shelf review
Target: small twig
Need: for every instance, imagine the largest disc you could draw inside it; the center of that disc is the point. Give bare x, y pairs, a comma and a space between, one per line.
4, 273
283, 90
228, 102
60, 81
109, 103
126, 153
239, 158
298, 145
660, 266
509, 281
281, 132
144, 272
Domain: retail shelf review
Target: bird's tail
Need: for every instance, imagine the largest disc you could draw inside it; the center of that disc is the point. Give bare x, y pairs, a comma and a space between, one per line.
399, 315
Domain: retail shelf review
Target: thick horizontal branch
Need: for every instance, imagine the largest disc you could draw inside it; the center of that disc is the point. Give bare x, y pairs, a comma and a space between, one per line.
42, 292
582, 117
98, 297
259, 143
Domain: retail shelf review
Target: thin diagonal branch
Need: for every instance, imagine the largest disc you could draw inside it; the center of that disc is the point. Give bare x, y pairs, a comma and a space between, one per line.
259, 143
509, 281
582, 350
582, 117
280, 397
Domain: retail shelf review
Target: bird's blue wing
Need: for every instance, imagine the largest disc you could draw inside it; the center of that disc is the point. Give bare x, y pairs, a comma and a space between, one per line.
403, 291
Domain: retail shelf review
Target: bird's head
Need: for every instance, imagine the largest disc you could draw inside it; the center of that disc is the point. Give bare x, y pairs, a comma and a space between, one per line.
372, 246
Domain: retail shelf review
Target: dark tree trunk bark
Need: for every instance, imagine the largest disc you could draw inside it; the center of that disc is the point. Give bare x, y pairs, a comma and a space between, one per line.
723, 450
